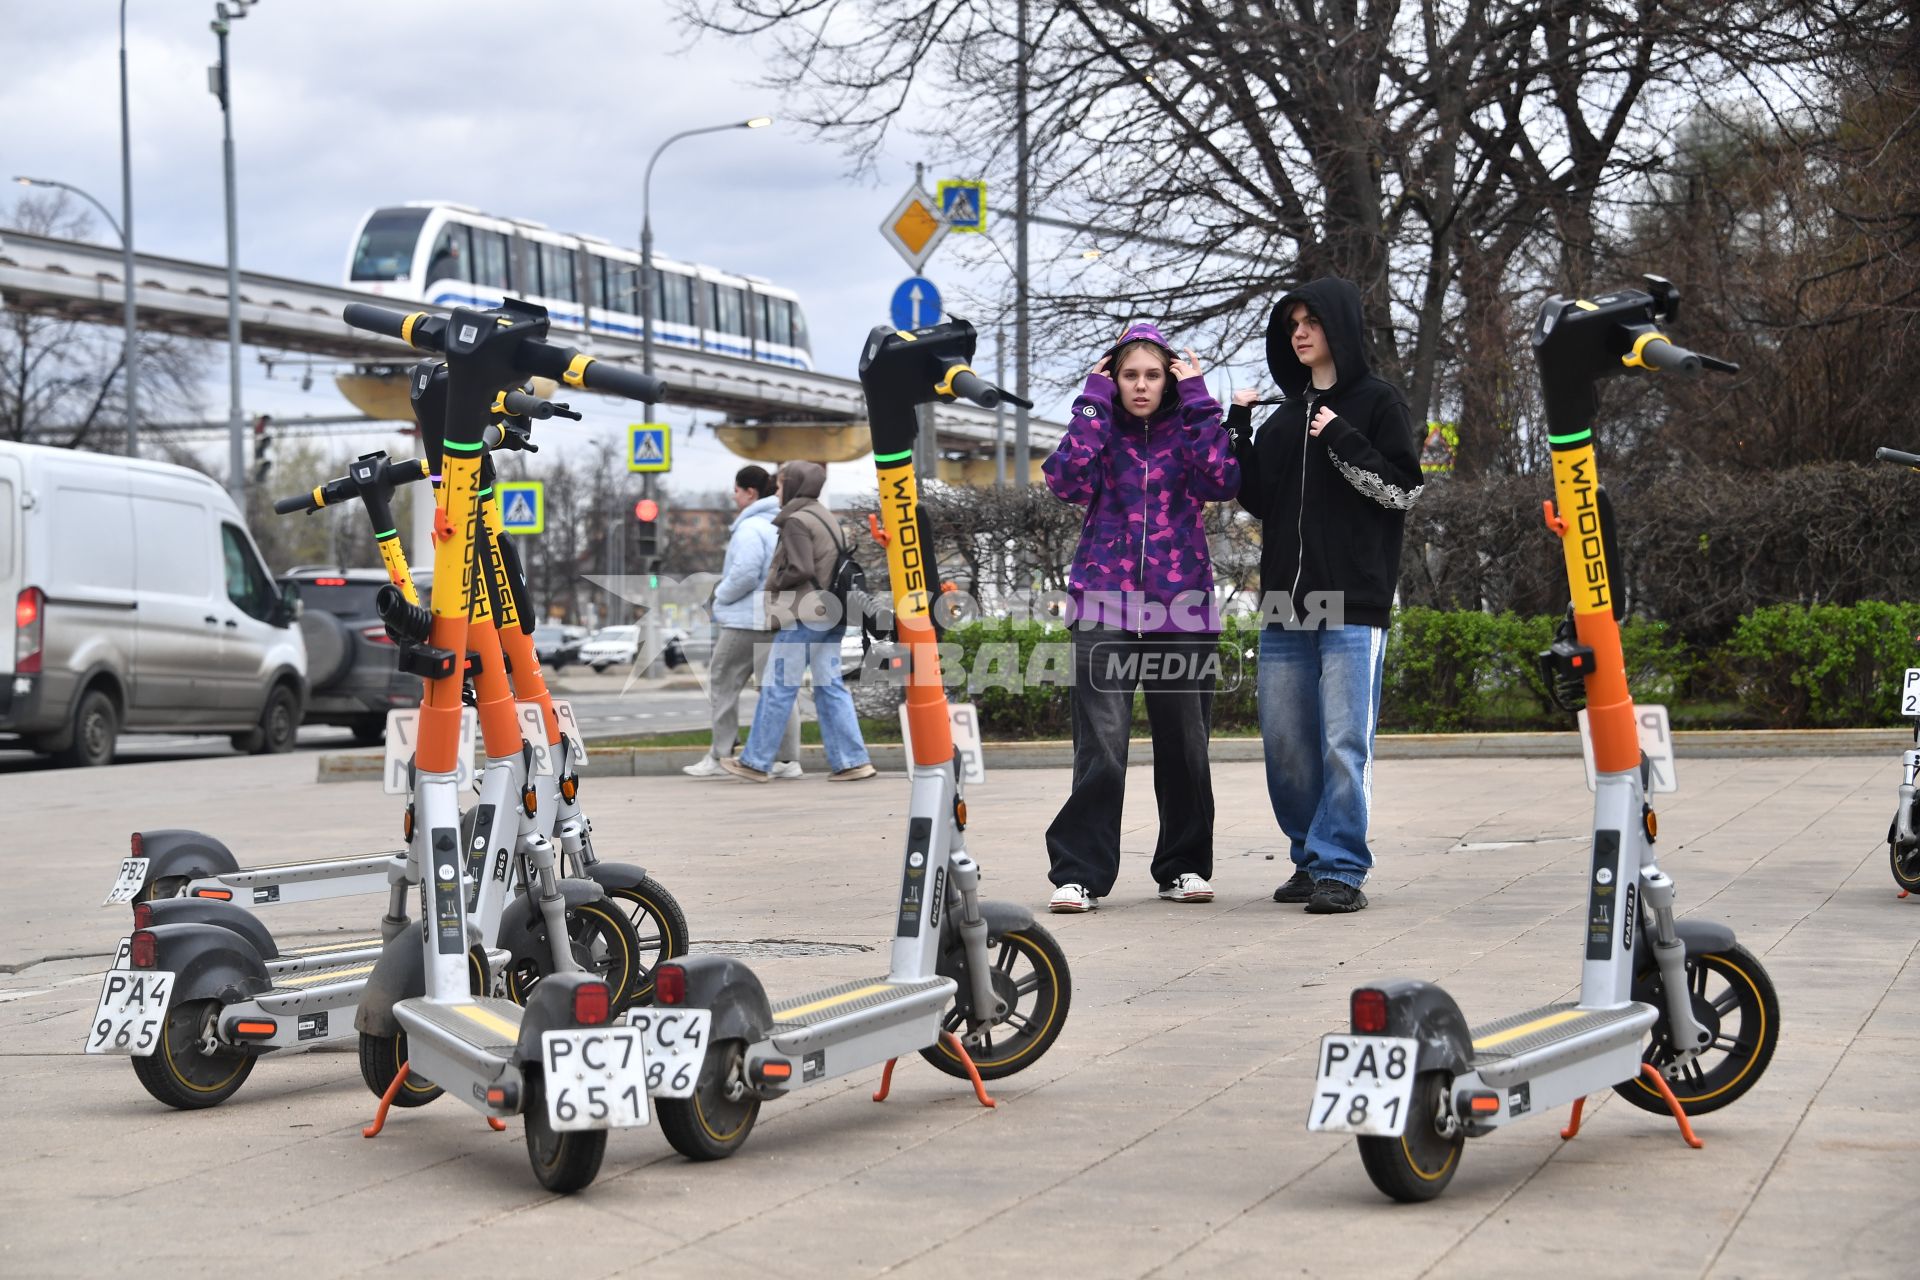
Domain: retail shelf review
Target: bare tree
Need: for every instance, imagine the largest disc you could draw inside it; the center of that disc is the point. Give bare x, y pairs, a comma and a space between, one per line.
60, 379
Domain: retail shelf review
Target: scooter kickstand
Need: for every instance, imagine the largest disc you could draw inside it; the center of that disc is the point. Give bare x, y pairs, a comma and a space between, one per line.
386, 1102
973, 1073
1673, 1104
393, 1090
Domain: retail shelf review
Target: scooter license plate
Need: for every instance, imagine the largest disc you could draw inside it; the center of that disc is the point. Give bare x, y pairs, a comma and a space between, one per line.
133, 874
676, 1046
1364, 1086
132, 1012
595, 1079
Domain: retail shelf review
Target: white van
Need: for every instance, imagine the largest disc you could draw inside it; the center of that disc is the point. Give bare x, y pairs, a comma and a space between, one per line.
132, 599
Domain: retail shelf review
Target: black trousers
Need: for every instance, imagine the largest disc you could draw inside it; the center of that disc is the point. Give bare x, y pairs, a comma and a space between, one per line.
1178, 673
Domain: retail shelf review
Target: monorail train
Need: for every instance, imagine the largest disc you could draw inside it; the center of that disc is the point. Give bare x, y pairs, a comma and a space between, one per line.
454, 255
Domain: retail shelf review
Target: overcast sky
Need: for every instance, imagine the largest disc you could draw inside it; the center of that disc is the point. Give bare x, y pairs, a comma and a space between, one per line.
349, 104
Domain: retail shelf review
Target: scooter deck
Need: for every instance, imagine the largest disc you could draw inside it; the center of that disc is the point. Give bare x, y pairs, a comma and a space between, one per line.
1526, 1045
324, 955
849, 998
299, 881
858, 1024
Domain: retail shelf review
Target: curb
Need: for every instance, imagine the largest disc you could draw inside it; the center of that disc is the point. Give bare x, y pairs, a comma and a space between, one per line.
1696, 744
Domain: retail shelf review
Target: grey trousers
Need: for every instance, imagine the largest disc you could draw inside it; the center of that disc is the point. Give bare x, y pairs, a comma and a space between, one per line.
737, 654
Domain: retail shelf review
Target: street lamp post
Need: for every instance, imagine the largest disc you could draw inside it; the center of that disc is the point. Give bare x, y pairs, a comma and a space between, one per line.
128, 344
220, 84
646, 330
131, 356
1022, 449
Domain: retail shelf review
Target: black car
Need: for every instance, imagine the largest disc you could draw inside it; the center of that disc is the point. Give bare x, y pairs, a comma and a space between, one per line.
353, 668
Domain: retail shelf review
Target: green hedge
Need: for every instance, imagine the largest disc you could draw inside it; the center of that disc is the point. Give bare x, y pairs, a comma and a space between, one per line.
1458, 671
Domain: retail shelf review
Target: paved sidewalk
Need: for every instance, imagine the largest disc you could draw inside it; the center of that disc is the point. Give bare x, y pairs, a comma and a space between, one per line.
1161, 1136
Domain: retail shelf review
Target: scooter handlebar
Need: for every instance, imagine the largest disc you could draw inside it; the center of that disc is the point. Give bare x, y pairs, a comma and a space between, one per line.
964, 384
576, 370
1894, 455
304, 502
334, 491
415, 328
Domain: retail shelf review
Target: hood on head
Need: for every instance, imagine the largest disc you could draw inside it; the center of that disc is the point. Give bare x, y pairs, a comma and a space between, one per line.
1337, 303
1141, 331
801, 480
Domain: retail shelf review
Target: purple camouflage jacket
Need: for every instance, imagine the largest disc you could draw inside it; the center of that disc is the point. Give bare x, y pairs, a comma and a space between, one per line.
1142, 563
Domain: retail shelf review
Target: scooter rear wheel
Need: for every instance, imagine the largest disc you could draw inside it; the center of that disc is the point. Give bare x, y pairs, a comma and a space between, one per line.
1906, 865
659, 929
1419, 1163
1734, 1000
563, 1160
380, 1060
710, 1125
181, 1072
1030, 973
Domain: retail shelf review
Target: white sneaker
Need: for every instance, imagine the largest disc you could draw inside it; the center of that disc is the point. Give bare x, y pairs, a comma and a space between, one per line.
1069, 898
789, 769
704, 767
1187, 887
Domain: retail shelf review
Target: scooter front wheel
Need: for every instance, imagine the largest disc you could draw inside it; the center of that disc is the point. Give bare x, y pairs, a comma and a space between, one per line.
714, 1122
564, 1160
1906, 865
659, 929
1030, 975
380, 1061
182, 1071
1419, 1163
1734, 1002
603, 946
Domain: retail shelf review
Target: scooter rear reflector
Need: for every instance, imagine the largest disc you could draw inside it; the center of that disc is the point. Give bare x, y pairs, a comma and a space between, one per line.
1482, 1104
252, 1028
222, 895
135, 842
143, 915
143, 950
670, 984
1369, 1011
592, 1003
772, 1071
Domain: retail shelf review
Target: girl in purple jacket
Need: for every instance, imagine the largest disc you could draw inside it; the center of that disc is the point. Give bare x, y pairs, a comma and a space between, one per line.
1146, 452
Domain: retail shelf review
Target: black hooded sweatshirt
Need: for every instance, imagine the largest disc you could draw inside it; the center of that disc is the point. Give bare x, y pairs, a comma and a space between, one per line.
1332, 506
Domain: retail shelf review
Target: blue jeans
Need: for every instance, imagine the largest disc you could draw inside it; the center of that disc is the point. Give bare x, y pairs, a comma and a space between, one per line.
1319, 703
795, 649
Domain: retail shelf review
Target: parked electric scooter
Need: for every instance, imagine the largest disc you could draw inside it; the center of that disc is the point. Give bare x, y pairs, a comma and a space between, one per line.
975, 987
214, 1028
1673, 1014
1903, 833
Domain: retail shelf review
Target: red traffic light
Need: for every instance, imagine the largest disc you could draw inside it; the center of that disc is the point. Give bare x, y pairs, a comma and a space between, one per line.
646, 510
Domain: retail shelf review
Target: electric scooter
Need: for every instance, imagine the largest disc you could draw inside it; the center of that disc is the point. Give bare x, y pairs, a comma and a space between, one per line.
976, 987
1674, 1015
214, 1028
1903, 833
560, 1061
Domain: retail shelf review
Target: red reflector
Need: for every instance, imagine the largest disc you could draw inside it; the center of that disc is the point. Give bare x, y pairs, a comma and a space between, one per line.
591, 1003
143, 950
670, 984
143, 915
1483, 1104
224, 895
255, 1028
135, 841
774, 1070
496, 1097
329, 582
1369, 1011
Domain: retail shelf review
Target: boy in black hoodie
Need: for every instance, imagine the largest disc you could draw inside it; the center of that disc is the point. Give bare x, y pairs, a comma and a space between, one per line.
1330, 476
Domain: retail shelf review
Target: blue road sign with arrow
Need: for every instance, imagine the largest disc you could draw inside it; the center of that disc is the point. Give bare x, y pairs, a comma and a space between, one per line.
916, 304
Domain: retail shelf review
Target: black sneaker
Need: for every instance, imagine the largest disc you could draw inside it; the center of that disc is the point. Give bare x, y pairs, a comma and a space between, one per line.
1298, 889
1335, 897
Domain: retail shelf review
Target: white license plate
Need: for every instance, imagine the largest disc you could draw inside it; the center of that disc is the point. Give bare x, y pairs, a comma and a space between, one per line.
595, 1079
1364, 1085
1910, 693
131, 1013
133, 874
676, 1046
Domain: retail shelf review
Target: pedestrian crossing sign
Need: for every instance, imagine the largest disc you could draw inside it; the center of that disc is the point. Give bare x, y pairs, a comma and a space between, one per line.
963, 203
523, 506
650, 447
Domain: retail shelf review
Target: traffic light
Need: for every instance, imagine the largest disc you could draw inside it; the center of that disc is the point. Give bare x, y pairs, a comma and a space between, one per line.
262, 442
653, 538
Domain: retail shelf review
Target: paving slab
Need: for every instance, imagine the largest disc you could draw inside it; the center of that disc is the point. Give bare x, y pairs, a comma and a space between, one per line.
1161, 1136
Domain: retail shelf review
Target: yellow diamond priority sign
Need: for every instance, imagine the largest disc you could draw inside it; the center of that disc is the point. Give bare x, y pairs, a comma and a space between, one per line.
915, 228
